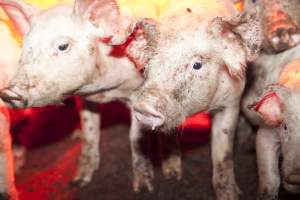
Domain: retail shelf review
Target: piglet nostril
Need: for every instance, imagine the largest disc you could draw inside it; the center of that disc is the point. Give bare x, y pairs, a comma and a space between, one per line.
148, 115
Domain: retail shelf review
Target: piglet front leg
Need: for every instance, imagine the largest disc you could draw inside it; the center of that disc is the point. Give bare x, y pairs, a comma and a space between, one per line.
223, 131
7, 180
90, 155
171, 163
142, 167
267, 148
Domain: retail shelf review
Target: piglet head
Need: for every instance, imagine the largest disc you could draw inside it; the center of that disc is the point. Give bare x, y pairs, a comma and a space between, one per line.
59, 48
189, 68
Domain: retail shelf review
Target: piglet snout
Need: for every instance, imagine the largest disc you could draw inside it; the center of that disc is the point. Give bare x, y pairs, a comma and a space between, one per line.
148, 115
14, 97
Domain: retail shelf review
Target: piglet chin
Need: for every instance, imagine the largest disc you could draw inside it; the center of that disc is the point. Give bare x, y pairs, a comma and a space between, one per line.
149, 116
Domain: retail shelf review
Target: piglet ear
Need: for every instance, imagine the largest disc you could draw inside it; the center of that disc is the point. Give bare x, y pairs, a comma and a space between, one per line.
103, 14
143, 42
240, 40
20, 13
248, 27
270, 109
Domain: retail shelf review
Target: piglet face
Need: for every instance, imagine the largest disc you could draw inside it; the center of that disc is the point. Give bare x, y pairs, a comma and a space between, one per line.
58, 57
181, 79
60, 50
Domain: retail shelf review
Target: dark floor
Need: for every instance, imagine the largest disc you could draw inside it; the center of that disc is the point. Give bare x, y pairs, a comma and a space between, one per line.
49, 169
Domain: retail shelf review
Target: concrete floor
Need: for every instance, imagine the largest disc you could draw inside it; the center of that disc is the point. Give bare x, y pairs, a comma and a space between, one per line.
49, 170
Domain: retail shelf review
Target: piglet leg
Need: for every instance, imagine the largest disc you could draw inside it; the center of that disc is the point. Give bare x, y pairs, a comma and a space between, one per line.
267, 148
90, 155
223, 131
7, 180
171, 164
280, 30
142, 167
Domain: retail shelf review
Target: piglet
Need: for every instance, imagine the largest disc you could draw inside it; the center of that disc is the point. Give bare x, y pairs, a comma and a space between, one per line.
274, 109
198, 68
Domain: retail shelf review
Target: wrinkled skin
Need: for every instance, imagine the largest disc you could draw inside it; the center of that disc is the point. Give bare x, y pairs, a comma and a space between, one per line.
72, 60
277, 120
200, 69
280, 20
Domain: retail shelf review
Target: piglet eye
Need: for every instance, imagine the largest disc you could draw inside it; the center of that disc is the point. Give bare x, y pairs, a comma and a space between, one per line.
63, 47
197, 65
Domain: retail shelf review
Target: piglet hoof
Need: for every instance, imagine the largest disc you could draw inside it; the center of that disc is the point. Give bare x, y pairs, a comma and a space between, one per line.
4, 196
143, 175
230, 192
266, 196
225, 186
88, 164
171, 167
282, 33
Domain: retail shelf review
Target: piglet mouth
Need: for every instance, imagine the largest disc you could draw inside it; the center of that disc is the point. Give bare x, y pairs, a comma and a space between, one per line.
12, 97
148, 116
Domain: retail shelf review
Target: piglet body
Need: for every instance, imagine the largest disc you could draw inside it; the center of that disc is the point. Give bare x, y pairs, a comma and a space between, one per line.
275, 110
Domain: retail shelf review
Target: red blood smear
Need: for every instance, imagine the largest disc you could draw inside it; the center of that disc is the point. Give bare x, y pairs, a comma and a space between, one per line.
265, 99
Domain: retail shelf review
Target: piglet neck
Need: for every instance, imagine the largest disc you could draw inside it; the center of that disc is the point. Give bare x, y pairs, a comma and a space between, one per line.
112, 72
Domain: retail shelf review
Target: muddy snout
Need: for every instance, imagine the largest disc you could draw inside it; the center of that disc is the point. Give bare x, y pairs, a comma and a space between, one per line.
148, 111
14, 97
